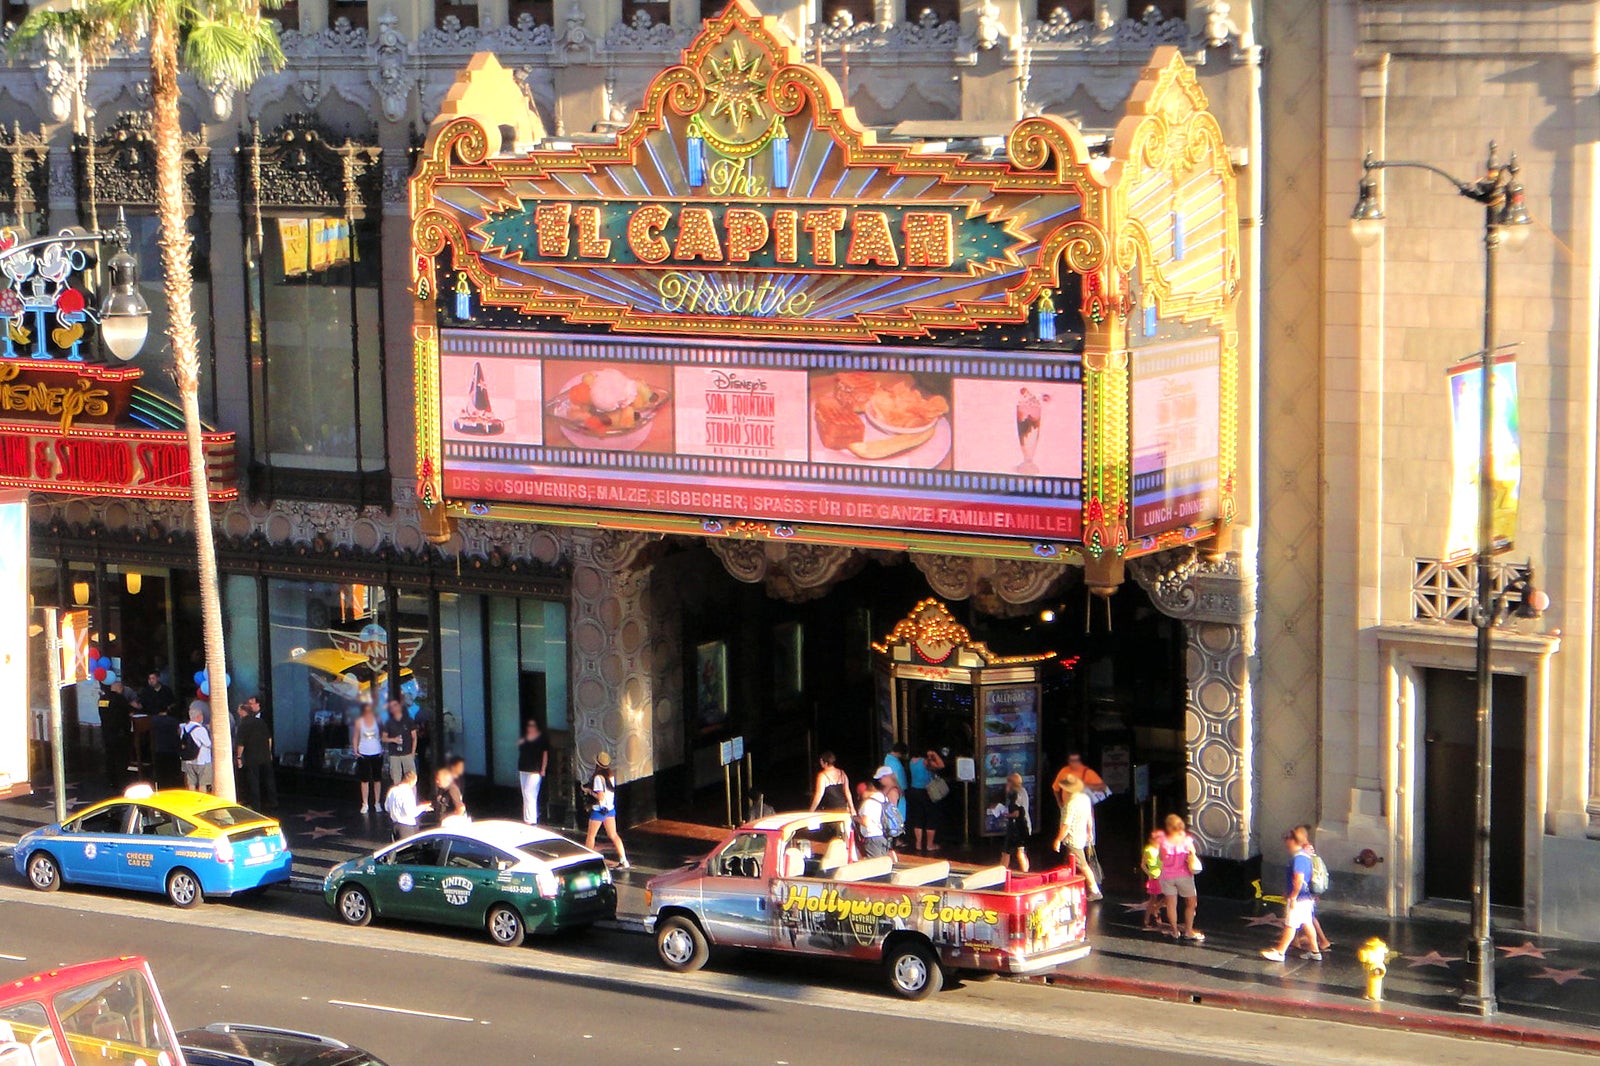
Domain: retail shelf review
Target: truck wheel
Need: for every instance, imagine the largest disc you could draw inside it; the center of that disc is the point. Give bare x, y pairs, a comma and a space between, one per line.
681, 945
913, 970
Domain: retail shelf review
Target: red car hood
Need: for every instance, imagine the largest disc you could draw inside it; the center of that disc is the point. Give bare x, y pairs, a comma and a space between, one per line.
672, 878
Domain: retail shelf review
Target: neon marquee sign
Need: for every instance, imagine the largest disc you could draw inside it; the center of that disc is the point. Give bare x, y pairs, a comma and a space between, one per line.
744, 196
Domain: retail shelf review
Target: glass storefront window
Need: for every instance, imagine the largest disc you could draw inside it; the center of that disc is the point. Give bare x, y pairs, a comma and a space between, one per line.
241, 625
527, 674
500, 661
328, 650
317, 340
461, 687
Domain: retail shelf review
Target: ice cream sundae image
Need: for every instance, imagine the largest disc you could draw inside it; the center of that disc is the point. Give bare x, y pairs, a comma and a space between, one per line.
606, 405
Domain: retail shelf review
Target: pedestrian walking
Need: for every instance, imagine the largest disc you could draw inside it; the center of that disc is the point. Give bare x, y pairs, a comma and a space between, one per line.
165, 759
873, 839
1019, 824
922, 807
1179, 864
603, 791
1300, 909
833, 787
1150, 866
403, 807
194, 745
899, 763
1302, 833
116, 733
533, 761
399, 742
1076, 835
366, 741
252, 754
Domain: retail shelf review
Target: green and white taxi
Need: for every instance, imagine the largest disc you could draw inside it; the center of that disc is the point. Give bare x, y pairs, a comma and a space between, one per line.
503, 877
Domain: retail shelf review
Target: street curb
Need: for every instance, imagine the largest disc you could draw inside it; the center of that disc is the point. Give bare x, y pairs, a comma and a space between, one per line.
1369, 1014
1373, 1014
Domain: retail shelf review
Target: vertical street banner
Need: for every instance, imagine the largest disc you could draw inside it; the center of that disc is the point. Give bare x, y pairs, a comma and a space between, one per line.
1466, 413
75, 655
13, 641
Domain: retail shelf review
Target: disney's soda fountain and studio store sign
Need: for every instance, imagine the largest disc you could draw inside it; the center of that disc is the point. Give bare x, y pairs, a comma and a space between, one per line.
749, 315
69, 425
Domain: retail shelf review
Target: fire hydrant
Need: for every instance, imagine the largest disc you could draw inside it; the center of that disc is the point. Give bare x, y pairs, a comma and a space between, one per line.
1375, 957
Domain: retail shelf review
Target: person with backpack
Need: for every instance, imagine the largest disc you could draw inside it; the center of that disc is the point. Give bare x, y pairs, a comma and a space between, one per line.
873, 818
1319, 884
894, 815
194, 749
1299, 906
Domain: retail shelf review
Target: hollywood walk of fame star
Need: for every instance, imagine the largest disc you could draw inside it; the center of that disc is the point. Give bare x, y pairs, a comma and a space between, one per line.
1133, 908
1526, 951
1561, 977
1432, 958
1263, 919
318, 832
312, 816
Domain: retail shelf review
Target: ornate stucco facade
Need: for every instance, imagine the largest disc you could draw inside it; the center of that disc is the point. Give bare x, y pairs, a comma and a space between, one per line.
1356, 342
335, 131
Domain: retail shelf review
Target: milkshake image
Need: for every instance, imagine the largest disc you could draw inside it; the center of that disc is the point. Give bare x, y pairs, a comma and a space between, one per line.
1029, 410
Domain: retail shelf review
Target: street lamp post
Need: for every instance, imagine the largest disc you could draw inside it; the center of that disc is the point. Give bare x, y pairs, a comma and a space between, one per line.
124, 323
1505, 221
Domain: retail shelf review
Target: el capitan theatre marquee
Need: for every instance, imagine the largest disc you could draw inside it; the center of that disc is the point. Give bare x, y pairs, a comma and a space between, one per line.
748, 316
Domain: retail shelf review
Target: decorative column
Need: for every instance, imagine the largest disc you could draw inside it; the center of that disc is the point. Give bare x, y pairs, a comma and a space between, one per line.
612, 669
1216, 602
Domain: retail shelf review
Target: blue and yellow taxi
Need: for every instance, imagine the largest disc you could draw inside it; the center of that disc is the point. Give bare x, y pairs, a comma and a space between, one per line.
188, 845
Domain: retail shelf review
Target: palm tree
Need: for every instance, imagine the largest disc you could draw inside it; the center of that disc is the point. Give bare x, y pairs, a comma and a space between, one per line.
215, 41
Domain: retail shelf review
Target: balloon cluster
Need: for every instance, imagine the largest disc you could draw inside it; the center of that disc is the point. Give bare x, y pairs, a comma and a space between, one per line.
203, 679
100, 667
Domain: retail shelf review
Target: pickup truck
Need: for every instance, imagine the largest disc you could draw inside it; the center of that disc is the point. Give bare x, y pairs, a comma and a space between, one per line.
785, 882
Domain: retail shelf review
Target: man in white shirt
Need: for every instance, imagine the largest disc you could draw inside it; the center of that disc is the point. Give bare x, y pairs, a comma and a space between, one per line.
870, 820
403, 807
197, 772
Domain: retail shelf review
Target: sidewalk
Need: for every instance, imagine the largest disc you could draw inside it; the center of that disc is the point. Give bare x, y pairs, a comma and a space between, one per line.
1549, 990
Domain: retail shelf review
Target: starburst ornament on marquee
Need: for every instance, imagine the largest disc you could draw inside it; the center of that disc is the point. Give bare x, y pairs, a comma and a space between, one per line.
736, 85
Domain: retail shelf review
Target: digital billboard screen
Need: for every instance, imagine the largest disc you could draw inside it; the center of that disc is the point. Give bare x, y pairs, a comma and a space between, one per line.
925, 440
1176, 434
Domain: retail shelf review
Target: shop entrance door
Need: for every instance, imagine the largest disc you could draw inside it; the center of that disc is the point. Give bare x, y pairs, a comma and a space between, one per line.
1449, 784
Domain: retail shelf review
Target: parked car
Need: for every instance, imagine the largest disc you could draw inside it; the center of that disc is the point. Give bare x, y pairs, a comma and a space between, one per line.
231, 1044
503, 877
189, 845
106, 1013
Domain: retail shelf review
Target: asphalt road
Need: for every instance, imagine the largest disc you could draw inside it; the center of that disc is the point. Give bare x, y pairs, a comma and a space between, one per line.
417, 997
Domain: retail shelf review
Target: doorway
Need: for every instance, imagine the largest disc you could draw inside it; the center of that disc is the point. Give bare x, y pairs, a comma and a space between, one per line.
1449, 730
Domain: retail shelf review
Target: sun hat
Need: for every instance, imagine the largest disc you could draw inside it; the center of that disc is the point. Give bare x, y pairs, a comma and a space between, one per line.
1072, 783
602, 759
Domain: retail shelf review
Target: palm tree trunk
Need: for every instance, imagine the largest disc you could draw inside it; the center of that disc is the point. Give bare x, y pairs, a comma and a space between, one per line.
176, 265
